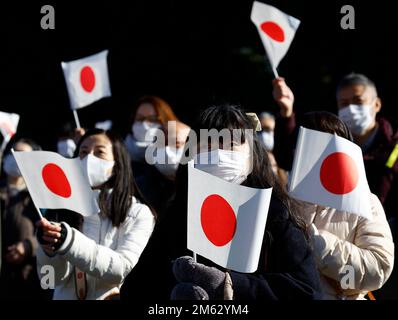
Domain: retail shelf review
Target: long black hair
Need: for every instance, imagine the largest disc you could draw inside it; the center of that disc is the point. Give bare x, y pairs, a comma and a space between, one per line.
233, 117
116, 204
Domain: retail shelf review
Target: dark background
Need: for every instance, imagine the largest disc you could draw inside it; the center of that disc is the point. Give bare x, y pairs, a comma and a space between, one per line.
191, 53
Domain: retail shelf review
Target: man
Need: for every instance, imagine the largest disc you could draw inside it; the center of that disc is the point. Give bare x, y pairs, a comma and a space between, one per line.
358, 105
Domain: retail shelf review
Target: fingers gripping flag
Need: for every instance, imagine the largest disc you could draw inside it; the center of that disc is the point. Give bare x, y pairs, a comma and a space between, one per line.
87, 79
226, 221
328, 170
276, 29
55, 182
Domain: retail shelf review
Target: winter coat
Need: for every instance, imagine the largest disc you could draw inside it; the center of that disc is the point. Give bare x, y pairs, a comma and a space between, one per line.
346, 242
105, 253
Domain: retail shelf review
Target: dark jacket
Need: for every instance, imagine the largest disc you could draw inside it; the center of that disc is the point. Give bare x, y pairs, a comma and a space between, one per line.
19, 281
382, 180
286, 269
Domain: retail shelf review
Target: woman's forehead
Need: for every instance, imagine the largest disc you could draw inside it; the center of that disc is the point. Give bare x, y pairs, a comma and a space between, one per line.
98, 140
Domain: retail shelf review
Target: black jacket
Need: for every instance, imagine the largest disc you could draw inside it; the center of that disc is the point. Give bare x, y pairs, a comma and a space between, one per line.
286, 270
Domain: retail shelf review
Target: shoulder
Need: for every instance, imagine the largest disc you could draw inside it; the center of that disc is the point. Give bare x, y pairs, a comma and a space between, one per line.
139, 210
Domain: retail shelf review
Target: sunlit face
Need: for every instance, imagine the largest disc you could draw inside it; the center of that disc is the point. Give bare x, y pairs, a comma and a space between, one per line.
146, 112
358, 94
98, 145
21, 146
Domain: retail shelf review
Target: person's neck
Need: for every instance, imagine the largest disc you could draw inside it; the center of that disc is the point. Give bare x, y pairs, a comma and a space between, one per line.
15, 181
362, 139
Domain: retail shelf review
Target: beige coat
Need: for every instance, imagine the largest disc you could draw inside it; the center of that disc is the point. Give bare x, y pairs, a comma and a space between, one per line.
346, 242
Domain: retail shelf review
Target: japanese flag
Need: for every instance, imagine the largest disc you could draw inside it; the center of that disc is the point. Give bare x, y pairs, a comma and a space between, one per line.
226, 221
276, 29
328, 170
87, 79
8, 125
55, 182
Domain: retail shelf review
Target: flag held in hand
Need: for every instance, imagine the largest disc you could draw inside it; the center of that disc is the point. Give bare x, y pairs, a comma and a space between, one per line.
328, 170
226, 221
276, 29
55, 182
87, 79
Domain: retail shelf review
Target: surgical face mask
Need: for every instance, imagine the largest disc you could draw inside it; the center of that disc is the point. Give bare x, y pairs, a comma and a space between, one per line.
357, 117
267, 137
172, 157
97, 170
145, 131
232, 166
10, 166
66, 148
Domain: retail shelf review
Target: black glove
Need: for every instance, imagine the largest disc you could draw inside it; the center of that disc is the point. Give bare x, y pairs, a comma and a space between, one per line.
188, 291
196, 274
56, 245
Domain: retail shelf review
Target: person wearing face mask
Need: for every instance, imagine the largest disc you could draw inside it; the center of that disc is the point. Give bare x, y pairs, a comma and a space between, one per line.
177, 133
149, 119
18, 279
92, 260
358, 106
67, 139
267, 121
286, 269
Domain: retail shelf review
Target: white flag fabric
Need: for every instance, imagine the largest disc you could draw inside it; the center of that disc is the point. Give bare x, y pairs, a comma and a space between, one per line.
226, 221
55, 182
276, 29
328, 170
87, 79
8, 125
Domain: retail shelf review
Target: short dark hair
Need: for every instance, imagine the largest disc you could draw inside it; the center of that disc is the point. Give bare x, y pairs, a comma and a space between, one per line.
353, 79
326, 122
33, 144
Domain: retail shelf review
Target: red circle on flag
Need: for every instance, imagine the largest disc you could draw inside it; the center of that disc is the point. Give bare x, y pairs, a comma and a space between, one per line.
56, 181
87, 78
339, 173
218, 220
273, 30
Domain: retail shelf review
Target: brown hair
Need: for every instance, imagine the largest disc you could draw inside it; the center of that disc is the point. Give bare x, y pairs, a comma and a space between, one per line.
162, 109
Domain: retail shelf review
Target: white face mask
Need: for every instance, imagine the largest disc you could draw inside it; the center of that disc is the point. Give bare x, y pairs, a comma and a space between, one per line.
267, 137
66, 148
232, 166
97, 170
357, 117
172, 160
145, 131
10, 166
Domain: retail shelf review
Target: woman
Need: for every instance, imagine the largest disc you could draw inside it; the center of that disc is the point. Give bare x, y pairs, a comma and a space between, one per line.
342, 240
93, 262
286, 269
18, 269
149, 120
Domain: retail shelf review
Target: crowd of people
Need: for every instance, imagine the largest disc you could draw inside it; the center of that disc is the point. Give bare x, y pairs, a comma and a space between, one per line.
136, 246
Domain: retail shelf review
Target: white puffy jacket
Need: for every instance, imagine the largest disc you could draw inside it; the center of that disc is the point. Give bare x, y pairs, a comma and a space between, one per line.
344, 242
105, 253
